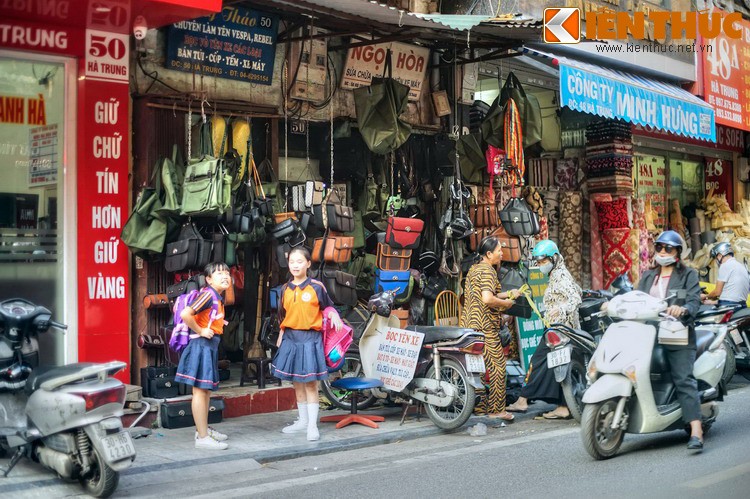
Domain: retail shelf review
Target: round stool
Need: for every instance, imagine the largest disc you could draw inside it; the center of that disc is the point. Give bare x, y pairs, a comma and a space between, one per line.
354, 385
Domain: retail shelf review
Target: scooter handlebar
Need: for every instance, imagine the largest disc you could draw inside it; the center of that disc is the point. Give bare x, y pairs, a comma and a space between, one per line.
58, 325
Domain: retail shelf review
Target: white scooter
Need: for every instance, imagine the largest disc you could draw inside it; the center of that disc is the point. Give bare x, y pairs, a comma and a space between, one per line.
632, 390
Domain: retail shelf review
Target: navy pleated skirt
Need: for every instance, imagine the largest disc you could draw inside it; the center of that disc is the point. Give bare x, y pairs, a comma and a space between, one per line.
300, 357
199, 363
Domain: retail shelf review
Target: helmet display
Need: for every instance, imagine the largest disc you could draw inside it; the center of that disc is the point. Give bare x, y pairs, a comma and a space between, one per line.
722, 249
546, 248
671, 238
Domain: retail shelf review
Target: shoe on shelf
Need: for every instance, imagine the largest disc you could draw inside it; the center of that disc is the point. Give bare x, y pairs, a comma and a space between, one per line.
695, 443
216, 435
209, 443
297, 427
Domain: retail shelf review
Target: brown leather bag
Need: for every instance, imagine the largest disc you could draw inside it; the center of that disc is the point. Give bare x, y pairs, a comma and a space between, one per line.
338, 249
478, 235
483, 215
511, 245
280, 217
393, 258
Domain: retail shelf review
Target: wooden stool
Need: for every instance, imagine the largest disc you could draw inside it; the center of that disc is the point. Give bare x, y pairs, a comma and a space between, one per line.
262, 373
355, 385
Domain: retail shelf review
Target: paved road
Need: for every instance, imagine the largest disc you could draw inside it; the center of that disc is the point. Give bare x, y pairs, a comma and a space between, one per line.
527, 459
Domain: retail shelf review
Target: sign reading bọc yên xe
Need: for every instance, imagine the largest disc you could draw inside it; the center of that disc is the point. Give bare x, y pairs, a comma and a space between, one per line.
398, 353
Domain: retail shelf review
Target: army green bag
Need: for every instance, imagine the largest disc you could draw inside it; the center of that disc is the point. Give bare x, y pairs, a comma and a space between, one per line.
528, 108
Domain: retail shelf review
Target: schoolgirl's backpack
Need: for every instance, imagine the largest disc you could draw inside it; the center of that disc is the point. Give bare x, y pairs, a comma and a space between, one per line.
335, 343
181, 332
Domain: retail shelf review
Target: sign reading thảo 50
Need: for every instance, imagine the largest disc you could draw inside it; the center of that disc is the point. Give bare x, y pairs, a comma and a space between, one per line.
563, 25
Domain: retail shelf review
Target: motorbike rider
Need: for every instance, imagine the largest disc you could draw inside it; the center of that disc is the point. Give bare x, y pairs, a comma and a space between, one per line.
733, 281
671, 274
561, 301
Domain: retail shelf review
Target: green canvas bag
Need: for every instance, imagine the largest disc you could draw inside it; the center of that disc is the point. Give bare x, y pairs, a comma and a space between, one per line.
379, 108
471, 158
528, 108
145, 233
207, 188
171, 172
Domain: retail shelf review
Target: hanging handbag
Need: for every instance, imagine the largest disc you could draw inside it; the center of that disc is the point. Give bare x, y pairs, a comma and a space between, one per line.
171, 171
483, 215
340, 218
145, 232
284, 229
434, 286
511, 245
281, 217
314, 193
403, 233
396, 282
429, 262
184, 286
393, 258
528, 108
207, 189
518, 219
190, 251
341, 286
338, 249
379, 108
298, 198
471, 157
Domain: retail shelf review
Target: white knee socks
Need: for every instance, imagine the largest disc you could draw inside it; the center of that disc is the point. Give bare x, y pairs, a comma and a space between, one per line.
312, 422
301, 423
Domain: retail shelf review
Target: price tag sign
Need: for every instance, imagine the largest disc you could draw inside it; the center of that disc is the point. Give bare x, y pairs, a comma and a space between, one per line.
726, 76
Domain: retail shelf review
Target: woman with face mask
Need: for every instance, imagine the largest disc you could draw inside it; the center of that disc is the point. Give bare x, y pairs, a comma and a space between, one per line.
561, 301
668, 275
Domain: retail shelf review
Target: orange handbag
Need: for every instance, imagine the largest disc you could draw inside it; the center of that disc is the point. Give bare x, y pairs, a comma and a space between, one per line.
280, 217
511, 245
479, 234
338, 249
483, 215
393, 258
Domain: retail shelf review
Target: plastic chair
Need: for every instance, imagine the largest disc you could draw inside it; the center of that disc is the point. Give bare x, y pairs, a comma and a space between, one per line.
447, 309
355, 385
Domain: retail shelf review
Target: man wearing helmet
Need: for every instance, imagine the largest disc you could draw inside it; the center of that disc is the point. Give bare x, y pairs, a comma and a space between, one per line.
561, 301
733, 281
670, 275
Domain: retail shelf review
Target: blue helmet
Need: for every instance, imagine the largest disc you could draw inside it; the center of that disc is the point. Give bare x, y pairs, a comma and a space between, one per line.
671, 238
545, 249
722, 249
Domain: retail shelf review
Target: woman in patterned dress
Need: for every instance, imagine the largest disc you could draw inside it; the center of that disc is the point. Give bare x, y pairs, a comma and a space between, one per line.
484, 302
561, 301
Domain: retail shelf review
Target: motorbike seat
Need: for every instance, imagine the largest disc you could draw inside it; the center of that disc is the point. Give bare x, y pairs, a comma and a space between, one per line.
709, 310
45, 373
703, 339
436, 334
741, 314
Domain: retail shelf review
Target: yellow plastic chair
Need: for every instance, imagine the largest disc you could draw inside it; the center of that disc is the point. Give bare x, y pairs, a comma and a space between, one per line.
447, 309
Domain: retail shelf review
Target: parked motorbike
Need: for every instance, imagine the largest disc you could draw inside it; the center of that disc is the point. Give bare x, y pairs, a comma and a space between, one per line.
631, 390
737, 320
66, 418
448, 371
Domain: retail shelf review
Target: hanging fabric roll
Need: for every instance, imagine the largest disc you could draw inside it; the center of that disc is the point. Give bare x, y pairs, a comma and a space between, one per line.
595, 250
571, 232
616, 254
513, 136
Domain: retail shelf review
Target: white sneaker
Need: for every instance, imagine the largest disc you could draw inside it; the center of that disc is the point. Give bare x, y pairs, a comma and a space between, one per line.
312, 433
297, 427
216, 435
209, 443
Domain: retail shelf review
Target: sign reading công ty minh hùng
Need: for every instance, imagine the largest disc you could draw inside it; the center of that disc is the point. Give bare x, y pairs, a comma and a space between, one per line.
237, 43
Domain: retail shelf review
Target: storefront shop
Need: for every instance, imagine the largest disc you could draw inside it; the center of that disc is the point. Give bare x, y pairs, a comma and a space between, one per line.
64, 147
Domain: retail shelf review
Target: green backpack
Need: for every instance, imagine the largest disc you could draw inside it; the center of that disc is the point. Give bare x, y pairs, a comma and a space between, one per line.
207, 188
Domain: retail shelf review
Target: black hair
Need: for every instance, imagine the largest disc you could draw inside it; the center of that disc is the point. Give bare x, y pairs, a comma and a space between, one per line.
213, 267
302, 251
489, 243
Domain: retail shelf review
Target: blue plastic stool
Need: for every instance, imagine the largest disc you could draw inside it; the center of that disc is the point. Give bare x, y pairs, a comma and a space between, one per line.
355, 385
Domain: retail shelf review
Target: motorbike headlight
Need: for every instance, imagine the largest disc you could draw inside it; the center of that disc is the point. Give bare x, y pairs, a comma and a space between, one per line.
629, 372
591, 372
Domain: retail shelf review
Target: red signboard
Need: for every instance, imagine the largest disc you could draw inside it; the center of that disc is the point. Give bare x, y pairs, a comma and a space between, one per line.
726, 77
727, 139
719, 178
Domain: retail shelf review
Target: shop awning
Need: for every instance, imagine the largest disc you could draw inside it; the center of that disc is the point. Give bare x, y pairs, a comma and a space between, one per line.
610, 93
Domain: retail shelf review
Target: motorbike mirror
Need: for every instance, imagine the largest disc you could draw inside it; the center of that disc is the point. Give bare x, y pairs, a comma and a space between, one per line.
623, 283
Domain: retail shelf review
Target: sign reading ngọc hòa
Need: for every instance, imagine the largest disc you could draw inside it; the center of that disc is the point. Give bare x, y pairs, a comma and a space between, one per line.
408, 62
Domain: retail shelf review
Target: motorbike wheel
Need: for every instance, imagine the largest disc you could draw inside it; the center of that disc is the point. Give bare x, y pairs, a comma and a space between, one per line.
599, 439
573, 387
455, 415
343, 398
101, 480
731, 365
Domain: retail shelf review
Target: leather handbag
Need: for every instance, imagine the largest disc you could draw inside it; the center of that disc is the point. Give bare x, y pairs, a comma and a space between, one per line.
518, 219
190, 251
338, 249
393, 258
483, 215
284, 229
511, 245
155, 301
281, 217
460, 227
434, 286
183, 287
314, 193
513, 278
341, 286
403, 233
429, 262
479, 234
179, 414
397, 282
340, 217
282, 255
298, 198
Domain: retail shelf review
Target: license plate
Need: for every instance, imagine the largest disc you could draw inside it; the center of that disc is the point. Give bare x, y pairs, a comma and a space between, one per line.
475, 363
736, 336
118, 447
557, 358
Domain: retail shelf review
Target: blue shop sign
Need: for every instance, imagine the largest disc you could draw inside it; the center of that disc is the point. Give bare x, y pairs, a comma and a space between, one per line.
237, 43
643, 101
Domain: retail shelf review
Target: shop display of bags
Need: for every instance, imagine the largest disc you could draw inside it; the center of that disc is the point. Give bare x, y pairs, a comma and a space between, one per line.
337, 249
393, 258
483, 215
518, 219
403, 232
397, 282
340, 218
189, 251
314, 193
207, 188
